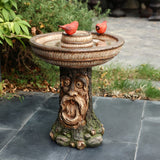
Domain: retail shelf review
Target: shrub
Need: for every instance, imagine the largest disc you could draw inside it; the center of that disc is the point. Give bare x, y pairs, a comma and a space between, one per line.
11, 25
12, 29
46, 15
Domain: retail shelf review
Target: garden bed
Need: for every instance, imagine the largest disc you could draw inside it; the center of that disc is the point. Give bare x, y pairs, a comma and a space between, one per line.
114, 81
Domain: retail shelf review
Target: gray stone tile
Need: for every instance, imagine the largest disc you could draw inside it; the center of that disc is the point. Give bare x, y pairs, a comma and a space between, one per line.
94, 99
52, 104
33, 141
5, 136
13, 113
107, 151
152, 110
149, 144
121, 118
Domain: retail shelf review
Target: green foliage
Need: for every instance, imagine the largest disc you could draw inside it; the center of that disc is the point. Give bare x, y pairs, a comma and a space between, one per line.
1, 89
152, 92
49, 72
11, 25
148, 72
46, 15
120, 81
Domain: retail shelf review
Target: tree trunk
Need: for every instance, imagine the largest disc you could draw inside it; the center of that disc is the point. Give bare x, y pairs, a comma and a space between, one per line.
77, 124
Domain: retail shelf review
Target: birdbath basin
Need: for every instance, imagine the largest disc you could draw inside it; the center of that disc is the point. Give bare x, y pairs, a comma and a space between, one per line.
76, 124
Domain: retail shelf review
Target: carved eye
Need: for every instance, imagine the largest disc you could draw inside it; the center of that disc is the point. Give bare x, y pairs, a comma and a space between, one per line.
67, 82
79, 84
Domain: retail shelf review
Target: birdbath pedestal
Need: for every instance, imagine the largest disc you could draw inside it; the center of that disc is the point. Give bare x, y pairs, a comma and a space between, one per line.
76, 124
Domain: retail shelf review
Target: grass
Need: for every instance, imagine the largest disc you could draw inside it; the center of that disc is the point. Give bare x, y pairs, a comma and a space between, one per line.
1, 88
115, 81
147, 71
126, 82
152, 92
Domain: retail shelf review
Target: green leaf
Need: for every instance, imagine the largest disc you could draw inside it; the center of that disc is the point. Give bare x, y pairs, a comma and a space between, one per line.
14, 3
24, 22
1, 34
12, 27
9, 41
25, 29
5, 14
9, 26
17, 19
13, 15
7, 6
1, 42
4, 1
1, 20
17, 28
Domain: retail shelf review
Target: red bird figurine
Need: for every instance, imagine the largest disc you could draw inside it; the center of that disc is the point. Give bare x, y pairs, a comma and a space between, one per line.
101, 27
70, 28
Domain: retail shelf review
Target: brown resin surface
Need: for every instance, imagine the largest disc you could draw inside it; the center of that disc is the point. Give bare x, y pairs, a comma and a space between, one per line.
76, 124
104, 47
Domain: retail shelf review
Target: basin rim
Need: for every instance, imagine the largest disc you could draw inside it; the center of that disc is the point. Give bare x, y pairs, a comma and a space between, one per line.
35, 44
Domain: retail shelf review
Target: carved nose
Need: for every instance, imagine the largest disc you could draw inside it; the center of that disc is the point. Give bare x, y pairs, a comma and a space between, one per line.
72, 93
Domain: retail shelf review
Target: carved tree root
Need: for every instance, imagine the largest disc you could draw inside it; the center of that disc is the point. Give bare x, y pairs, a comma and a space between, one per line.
88, 136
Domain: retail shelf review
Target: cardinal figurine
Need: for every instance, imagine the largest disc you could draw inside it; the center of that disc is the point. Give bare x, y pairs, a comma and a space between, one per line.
101, 27
70, 28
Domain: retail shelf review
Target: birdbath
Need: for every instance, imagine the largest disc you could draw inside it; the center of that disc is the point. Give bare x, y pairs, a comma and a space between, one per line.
76, 124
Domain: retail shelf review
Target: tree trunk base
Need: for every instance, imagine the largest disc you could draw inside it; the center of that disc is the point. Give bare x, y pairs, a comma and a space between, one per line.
89, 135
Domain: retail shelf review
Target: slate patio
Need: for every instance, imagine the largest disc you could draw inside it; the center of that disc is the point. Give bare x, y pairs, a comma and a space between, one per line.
132, 130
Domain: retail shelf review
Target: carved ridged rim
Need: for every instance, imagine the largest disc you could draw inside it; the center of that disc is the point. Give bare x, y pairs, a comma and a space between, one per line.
78, 35
77, 38
75, 45
75, 64
69, 57
118, 39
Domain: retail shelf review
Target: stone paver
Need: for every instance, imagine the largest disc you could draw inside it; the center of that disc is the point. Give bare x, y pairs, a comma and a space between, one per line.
132, 130
148, 147
6, 135
13, 115
141, 41
128, 112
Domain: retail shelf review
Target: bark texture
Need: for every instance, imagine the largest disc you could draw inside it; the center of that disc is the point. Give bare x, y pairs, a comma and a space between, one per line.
77, 124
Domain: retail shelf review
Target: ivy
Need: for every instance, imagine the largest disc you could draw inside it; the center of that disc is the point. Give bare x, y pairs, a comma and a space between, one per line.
11, 25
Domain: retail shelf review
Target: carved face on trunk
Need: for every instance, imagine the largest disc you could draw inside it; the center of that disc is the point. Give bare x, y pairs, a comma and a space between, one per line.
74, 99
